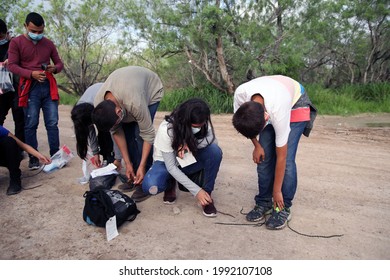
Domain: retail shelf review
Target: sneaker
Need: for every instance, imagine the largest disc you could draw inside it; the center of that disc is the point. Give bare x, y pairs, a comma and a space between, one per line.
258, 213
209, 210
139, 194
33, 163
126, 187
279, 218
170, 194
14, 187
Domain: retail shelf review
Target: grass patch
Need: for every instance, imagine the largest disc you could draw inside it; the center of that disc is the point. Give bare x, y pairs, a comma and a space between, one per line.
347, 100
351, 99
219, 102
67, 99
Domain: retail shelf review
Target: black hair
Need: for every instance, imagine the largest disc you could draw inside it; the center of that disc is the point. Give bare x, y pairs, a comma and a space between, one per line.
104, 115
35, 18
82, 120
249, 119
192, 111
3, 27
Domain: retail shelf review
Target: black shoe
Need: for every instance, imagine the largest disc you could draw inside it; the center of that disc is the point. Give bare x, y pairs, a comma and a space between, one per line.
139, 194
279, 218
33, 163
15, 187
209, 210
126, 187
258, 213
170, 193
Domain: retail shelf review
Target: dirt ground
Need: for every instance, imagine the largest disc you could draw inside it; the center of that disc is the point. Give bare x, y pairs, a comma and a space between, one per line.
344, 189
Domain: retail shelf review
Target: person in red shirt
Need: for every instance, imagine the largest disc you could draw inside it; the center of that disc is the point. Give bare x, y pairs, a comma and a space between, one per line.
30, 56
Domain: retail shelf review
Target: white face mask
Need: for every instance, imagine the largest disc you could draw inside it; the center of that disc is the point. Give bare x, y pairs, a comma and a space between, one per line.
195, 130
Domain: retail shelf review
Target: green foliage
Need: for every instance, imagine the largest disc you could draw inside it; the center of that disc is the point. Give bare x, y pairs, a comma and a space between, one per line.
68, 99
332, 43
351, 100
218, 102
347, 100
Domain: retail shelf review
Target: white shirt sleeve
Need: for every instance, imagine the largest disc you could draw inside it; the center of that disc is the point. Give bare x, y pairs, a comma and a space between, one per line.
240, 96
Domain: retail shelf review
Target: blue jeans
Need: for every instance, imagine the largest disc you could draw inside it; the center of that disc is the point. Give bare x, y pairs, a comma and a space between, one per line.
266, 169
208, 159
135, 142
39, 97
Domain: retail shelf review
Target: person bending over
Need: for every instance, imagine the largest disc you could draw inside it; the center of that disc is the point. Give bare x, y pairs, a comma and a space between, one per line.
126, 105
277, 110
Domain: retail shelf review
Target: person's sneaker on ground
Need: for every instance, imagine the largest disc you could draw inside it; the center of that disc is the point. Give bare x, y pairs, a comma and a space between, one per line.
14, 187
258, 213
279, 218
33, 163
139, 194
126, 187
170, 193
209, 210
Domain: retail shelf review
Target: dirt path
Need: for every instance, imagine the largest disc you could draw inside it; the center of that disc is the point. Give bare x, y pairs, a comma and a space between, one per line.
344, 188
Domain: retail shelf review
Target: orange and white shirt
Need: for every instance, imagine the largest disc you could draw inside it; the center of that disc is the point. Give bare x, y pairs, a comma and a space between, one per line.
280, 94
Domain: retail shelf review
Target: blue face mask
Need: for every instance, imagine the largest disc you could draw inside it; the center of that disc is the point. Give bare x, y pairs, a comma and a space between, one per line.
3, 41
35, 37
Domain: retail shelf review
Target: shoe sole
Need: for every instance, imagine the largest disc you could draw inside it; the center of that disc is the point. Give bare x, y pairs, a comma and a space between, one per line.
169, 202
13, 192
34, 168
281, 226
261, 218
213, 215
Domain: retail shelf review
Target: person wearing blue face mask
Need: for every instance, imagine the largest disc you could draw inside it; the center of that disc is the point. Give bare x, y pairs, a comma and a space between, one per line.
125, 106
30, 56
9, 100
187, 130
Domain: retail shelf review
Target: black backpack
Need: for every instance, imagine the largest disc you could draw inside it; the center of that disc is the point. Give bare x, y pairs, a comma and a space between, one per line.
102, 204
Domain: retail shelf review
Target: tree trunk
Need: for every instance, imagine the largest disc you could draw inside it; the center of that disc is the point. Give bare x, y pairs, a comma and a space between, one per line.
222, 67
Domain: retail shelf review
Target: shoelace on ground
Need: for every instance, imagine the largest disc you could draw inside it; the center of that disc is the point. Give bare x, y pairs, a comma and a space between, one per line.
262, 223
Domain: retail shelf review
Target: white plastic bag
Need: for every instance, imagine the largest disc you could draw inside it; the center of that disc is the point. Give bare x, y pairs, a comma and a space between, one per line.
88, 166
59, 159
5, 80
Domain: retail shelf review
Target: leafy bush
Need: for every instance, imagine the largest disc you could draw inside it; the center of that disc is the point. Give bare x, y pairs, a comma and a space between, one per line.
347, 100
351, 99
219, 102
67, 99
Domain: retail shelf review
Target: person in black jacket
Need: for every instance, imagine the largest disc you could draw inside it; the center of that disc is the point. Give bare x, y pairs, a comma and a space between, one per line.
9, 100
9, 146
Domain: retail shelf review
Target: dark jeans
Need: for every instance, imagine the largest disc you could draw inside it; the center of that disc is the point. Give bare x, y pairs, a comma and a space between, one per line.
10, 158
135, 142
8, 101
39, 97
208, 159
266, 169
